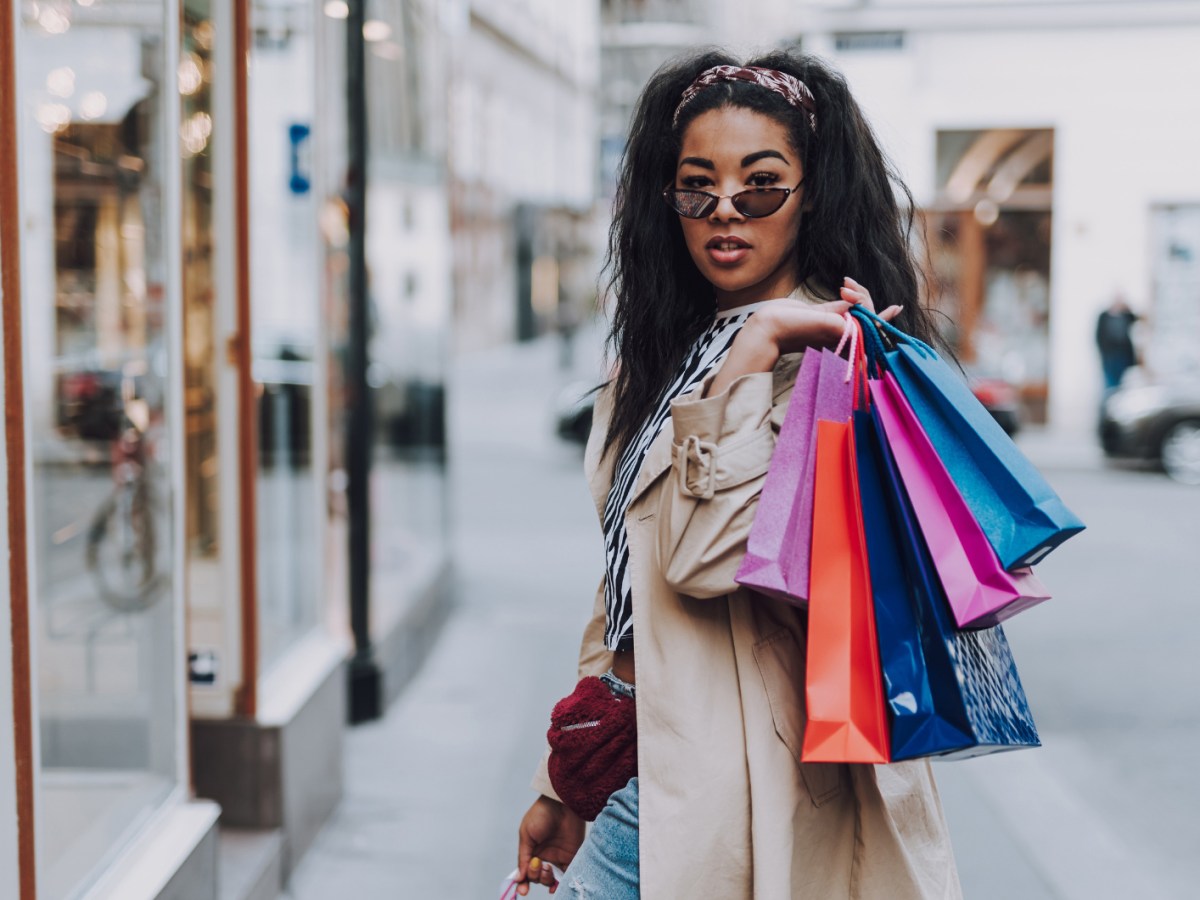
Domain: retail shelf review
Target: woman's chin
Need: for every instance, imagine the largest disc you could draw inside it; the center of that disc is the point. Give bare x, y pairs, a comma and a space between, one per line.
726, 285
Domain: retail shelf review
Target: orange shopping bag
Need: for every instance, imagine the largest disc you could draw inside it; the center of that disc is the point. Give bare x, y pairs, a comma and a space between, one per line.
847, 721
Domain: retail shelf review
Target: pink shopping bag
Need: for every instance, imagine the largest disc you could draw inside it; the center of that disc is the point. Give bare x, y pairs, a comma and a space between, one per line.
981, 593
778, 548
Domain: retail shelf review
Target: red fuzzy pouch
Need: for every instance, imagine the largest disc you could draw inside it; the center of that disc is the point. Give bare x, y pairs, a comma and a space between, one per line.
593, 743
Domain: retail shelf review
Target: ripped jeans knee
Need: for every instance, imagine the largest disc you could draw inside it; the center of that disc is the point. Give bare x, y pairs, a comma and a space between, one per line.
607, 864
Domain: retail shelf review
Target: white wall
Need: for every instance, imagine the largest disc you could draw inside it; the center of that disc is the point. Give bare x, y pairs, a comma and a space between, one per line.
285, 270
1126, 136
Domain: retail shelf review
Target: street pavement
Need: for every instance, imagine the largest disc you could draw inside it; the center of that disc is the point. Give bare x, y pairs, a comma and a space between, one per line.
1106, 809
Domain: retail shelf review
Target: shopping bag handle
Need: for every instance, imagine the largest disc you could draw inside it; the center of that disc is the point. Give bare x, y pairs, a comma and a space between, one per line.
508, 890
877, 349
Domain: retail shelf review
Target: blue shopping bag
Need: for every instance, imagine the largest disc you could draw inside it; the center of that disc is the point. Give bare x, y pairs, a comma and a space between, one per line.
1022, 516
949, 693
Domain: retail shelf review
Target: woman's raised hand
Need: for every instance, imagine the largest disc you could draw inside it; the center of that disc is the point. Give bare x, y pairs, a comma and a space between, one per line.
794, 326
790, 326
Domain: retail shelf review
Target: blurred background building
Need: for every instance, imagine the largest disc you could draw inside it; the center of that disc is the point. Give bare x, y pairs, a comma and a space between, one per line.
176, 242
1048, 147
522, 157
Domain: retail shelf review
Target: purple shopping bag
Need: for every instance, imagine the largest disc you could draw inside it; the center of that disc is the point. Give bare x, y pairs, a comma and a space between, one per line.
778, 548
980, 591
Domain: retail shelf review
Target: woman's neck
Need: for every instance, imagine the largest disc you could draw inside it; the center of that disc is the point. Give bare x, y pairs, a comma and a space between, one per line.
778, 284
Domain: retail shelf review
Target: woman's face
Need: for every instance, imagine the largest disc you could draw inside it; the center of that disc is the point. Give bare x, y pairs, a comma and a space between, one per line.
725, 151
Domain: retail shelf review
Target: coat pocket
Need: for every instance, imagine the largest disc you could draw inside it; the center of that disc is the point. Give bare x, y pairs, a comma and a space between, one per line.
781, 663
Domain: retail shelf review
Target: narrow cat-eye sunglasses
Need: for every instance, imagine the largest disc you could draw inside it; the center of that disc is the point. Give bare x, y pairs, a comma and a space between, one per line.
755, 203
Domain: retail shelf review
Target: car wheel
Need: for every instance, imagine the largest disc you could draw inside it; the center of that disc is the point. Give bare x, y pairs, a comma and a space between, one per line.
1181, 452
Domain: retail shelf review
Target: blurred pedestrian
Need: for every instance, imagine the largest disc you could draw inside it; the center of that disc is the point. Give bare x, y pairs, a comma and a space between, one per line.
746, 196
1114, 338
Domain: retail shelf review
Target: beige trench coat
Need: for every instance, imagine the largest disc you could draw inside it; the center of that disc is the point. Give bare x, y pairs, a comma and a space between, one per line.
727, 810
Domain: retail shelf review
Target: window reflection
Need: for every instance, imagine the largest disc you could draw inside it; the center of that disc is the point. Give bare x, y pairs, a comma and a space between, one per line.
208, 604
284, 290
93, 165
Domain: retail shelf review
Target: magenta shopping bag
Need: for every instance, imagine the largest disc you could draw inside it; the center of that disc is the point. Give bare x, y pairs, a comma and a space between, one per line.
980, 591
778, 547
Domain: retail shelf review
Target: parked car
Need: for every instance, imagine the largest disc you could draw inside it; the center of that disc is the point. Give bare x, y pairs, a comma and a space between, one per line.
573, 412
1157, 422
1000, 398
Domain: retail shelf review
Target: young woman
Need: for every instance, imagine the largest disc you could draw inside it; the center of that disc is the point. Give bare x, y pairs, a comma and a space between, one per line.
747, 196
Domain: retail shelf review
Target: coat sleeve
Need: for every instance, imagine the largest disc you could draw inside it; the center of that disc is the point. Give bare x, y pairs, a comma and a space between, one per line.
720, 453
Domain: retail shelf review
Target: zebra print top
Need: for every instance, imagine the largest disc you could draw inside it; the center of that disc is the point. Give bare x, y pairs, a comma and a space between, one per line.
704, 357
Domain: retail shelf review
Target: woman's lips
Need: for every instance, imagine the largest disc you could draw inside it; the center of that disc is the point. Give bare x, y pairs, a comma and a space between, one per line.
726, 250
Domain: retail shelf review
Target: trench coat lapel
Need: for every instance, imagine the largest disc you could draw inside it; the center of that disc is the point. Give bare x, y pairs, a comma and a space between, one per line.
656, 461
597, 469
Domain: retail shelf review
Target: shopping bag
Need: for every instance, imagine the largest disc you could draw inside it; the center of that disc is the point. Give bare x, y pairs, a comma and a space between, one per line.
978, 588
778, 545
1022, 516
843, 683
949, 693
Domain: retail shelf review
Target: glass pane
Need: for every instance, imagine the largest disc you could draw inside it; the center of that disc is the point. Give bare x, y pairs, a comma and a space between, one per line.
94, 166
202, 463
334, 228
284, 289
409, 311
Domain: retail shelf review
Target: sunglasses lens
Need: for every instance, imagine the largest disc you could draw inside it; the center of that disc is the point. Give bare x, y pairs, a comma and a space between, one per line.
690, 204
756, 204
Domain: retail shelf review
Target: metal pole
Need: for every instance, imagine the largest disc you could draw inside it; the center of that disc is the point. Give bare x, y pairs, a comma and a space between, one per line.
366, 695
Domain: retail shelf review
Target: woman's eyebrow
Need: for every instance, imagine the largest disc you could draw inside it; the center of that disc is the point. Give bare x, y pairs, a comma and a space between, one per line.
697, 161
762, 154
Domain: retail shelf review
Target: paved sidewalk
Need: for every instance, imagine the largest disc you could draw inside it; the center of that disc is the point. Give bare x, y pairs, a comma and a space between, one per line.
435, 790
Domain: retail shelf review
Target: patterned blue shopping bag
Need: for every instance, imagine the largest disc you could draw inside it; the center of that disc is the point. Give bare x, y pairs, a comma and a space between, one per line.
949, 693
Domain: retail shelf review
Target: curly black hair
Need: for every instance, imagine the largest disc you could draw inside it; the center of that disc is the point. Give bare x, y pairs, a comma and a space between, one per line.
853, 224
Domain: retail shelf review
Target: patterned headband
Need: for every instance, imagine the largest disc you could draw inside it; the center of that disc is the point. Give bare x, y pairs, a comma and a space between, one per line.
790, 88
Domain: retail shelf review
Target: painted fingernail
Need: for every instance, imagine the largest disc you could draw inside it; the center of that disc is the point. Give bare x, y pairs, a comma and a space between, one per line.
535, 863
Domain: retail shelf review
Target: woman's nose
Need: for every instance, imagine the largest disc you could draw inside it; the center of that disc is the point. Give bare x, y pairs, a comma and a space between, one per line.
725, 211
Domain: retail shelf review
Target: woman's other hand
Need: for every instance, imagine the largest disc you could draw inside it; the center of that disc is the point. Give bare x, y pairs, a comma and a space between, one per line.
853, 292
790, 326
549, 833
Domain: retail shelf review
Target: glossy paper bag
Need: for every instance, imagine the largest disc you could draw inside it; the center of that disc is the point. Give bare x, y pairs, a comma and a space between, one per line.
978, 588
778, 546
1022, 516
843, 684
949, 693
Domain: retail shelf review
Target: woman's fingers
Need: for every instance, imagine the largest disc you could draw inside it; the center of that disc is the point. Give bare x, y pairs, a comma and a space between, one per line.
541, 873
854, 292
891, 312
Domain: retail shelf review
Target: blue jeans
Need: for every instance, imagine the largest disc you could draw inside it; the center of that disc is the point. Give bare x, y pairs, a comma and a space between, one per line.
606, 866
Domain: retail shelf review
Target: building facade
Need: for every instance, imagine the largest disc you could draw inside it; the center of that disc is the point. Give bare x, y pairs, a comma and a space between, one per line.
1048, 147
522, 151
174, 625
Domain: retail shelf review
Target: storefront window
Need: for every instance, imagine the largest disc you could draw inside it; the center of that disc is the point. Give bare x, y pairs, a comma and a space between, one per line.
285, 274
335, 236
1175, 268
208, 600
95, 163
989, 245
409, 301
